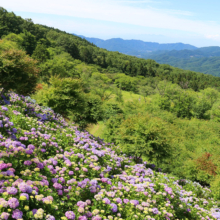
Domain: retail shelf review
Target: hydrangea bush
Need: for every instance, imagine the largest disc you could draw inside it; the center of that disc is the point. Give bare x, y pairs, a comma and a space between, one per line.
51, 170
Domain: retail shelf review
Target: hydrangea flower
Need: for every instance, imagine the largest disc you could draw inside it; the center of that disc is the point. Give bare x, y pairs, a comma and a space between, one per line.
12, 190
5, 215
17, 214
70, 215
114, 207
106, 201
13, 203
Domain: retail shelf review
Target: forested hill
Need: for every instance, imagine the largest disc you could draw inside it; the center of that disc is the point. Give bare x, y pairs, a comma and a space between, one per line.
136, 47
187, 54
205, 59
34, 39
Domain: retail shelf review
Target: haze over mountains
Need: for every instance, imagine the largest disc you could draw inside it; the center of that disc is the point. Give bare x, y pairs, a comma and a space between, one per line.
185, 56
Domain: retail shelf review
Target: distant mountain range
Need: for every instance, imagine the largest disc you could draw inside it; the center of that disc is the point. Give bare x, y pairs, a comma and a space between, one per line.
136, 47
185, 56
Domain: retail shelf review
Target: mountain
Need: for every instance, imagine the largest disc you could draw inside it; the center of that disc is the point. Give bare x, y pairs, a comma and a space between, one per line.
205, 59
187, 54
136, 47
184, 56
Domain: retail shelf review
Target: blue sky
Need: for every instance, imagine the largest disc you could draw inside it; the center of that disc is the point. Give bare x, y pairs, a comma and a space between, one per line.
195, 22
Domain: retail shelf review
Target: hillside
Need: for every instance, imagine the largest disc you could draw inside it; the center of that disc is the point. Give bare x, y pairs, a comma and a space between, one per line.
51, 170
161, 119
205, 60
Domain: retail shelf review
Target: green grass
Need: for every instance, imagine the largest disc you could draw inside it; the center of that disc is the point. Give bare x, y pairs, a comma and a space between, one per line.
97, 129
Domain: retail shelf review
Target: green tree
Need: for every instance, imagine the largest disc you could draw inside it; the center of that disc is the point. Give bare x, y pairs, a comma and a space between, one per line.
102, 86
41, 53
9, 22
29, 42
57, 66
18, 71
66, 96
14, 38
142, 135
68, 44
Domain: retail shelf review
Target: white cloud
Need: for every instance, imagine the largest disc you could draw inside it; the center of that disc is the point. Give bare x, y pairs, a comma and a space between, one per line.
108, 10
215, 37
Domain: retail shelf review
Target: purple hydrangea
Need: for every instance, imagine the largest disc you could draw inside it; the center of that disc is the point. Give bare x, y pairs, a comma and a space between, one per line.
27, 162
71, 172
82, 218
81, 204
25, 188
17, 214
134, 202
31, 147
118, 200
40, 165
4, 108
155, 211
54, 180
4, 215
106, 201
168, 190
60, 192
3, 166
12, 190
70, 215
29, 151
125, 201
50, 217
13, 203
34, 211
97, 217
57, 186
89, 214
114, 207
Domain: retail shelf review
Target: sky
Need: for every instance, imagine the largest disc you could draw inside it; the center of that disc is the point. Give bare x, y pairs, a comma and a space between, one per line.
195, 22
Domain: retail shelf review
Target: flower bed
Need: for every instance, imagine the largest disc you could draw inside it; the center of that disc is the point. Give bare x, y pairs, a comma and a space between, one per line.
51, 170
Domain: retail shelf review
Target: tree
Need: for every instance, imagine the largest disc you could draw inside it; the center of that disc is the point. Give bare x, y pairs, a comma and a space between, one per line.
102, 86
14, 38
29, 42
143, 135
18, 71
211, 95
56, 66
91, 113
68, 44
41, 53
9, 22
66, 96
86, 54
